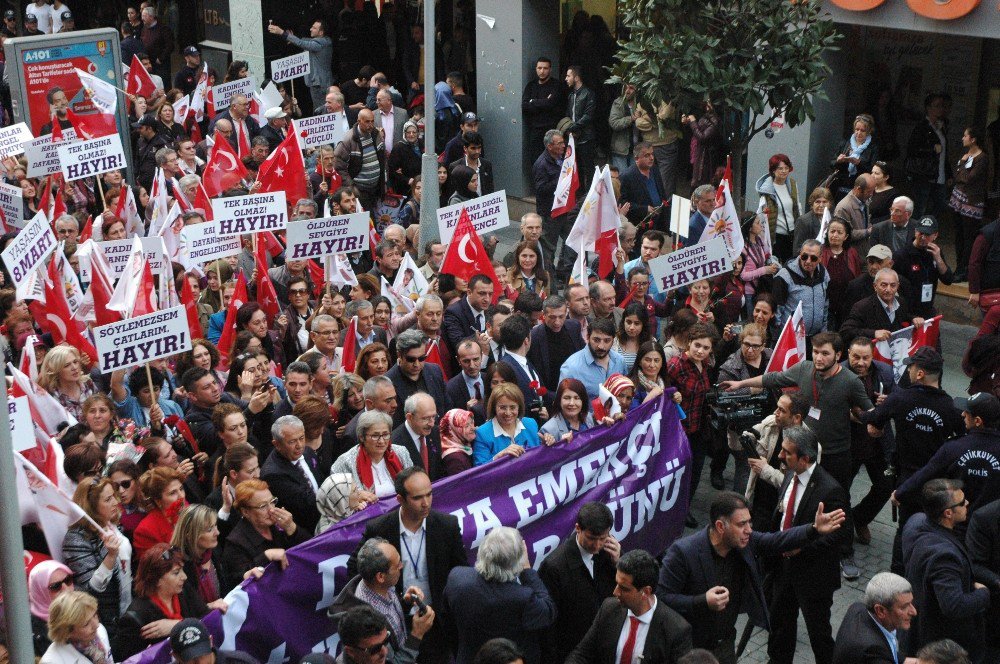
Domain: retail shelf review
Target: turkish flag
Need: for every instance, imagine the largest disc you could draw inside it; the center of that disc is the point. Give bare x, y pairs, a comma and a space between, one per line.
267, 297
88, 230
373, 237
467, 256
790, 349
139, 81
129, 211
92, 125
229, 328
224, 169
202, 201
434, 356
146, 302
317, 276
350, 355
101, 288
284, 171
191, 310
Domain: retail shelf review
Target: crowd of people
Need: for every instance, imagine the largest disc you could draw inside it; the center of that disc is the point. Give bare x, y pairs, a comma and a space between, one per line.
200, 469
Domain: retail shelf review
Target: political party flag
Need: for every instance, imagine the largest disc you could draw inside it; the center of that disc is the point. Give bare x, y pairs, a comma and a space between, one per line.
824, 224
790, 349
92, 125
228, 337
129, 211
724, 221
102, 94
569, 181
339, 271
350, 355
200, 94
135, 293
55, 317
373, 237
47, 414
903, 343
191, 310
95, 301
54, 512
596, 226
181, 109
267, 297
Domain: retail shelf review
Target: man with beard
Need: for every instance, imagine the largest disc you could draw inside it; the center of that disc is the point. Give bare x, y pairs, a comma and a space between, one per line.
595, 362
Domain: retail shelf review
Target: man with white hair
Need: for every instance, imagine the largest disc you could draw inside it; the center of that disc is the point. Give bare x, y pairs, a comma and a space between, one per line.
503, 597
245, 127
389, 118
290, 471
880, 314
896, 232
67, 228
419, 433
869, 631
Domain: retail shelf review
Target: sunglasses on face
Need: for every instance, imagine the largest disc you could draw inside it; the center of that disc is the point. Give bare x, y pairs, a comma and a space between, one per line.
371, 651
809, 258
123, 485
68, 582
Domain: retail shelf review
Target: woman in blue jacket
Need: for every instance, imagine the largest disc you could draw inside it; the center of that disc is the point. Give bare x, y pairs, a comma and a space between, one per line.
507, 432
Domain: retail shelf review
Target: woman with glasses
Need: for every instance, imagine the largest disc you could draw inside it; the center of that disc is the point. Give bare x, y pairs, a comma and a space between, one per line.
64, 377
124, 476
78, 637
196, 536
163, 490
159, 602
507, 432
374, 461
101, 559
291, 324
262, 535
47, 580
751, 361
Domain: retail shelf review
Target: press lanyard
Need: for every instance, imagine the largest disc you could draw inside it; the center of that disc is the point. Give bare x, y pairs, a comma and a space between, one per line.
816, 388
420, 548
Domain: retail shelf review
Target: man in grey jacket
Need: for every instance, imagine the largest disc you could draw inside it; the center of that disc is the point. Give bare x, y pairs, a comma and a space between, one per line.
320, 48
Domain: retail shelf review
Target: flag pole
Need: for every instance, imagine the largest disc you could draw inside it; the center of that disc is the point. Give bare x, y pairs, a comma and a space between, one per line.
328, 269
100, 188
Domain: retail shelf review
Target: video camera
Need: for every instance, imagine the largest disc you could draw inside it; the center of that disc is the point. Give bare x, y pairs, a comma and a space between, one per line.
736, 412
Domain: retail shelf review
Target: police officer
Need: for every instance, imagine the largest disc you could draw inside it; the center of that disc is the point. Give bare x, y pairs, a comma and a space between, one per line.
920, 266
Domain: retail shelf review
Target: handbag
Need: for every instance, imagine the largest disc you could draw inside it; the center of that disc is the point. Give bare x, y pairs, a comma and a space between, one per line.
989, 299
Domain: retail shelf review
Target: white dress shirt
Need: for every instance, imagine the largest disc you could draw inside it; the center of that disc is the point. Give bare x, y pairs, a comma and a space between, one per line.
413, 553
301, 463
388, 128
384, 485
803, 480
640, 635
588, 557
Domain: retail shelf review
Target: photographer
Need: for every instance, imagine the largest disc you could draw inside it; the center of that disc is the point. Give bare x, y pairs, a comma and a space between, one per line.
750, 361
766, 437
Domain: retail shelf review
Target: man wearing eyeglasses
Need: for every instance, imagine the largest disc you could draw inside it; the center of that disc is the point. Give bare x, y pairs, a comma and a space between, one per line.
412, 373
245, 128
419, 433
950, 603
67, 228
803, 279
290, 471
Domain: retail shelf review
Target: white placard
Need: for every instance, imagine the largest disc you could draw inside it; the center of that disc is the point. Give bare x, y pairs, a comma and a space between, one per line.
293, 66
327, 129
12, 205
680, 215
116, 252
487, 213
315, 238
224, 92
93, 157
685, 266
13, 139
22, 432
249, 214
42, 155
142, 339
30, 248
200, 244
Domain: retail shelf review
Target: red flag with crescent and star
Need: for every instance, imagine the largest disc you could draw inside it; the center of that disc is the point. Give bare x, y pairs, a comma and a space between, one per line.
466, 255
224, 169
139, 82
284, 171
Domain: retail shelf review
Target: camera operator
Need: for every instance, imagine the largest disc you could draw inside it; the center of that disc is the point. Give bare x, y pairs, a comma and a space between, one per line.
766, 475
750, 361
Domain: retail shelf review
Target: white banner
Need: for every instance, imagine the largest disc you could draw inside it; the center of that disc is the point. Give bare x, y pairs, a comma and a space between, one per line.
315, 238
487, 213
293, 66
142, 339
42, 155
93, 157
12, 205
22, 431
224, 92
30, 248
200, 244
13, 139
685, 266
319, 130
116, 252
250, 214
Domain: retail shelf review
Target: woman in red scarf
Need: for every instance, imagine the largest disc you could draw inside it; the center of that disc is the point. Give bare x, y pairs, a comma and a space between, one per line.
374, 462
163, 488
158, 604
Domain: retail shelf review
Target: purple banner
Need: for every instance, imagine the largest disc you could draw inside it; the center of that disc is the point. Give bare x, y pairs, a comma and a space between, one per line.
636, 467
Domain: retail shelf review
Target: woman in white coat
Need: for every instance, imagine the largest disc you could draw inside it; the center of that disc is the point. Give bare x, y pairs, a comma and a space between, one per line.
78, 637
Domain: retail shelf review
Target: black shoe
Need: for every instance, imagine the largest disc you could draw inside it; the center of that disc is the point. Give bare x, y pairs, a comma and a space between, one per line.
718, 482
690, 522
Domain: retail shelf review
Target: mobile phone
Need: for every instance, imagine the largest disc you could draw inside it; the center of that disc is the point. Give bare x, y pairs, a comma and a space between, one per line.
421, 607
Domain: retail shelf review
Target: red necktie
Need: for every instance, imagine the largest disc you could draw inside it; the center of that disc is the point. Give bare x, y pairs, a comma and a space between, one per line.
629, 646
790, 510
423, 454
242, 143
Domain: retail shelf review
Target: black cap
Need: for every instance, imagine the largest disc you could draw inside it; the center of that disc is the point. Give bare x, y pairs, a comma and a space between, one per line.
30, 18
9, 15
926, 358
146, 121
66, 16
469, 117
189, 639
926, 225
981, 404
192, 50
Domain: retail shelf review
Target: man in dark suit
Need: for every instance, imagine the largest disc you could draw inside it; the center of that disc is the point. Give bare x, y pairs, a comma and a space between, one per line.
379, 394
275, 129
412, 373
366, 331
555, 340
580, 575
430, 544
633, 621
896, 232
641, 184
869, 631
468, 314
805, 578
879, 256
951, 604
982, 538
703, 572
515, 337
290, 472
467, 389
871, 316
244, 125
419, 433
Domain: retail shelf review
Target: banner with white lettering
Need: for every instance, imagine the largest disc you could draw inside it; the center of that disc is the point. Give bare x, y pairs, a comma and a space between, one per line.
93, 157
200, 244
327, 129
13, 139
293, 66
12, 205
315, 238
138, 340
43, 156
22, 431
685, 266
30, 248
224, 92
488, 213
250, 214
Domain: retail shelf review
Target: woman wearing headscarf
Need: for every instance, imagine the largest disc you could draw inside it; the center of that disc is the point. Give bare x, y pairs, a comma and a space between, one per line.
47, 580
464, 180
458, 432
404, 160
447, 115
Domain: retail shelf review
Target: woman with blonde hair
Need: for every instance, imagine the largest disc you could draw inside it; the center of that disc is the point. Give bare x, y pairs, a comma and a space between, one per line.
47, 580
63, 376
163, 490
196, 535
77, 635
99, 414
